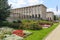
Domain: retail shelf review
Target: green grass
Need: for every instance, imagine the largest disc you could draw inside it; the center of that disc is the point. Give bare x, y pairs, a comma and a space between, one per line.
40, 34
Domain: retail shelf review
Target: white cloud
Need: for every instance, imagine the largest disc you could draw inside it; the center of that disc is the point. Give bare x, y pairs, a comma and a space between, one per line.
16, 3
21, 3
34, 2
41, 1
31, 2
54, 10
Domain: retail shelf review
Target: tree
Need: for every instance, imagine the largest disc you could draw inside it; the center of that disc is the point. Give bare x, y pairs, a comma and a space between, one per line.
55, 17
4, 10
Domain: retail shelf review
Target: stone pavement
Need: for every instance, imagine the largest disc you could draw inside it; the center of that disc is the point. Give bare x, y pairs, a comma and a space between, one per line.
54, 35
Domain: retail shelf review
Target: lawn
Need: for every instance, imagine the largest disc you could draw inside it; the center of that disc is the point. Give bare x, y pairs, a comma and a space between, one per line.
40, 34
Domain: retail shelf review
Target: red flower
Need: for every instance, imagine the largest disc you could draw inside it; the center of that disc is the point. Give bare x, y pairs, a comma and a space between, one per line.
19, 33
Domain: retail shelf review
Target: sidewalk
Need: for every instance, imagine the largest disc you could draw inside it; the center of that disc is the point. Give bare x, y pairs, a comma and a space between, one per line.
54, 35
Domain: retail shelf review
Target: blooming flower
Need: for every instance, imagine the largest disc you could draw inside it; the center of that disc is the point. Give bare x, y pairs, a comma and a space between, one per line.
19, 32
13, 37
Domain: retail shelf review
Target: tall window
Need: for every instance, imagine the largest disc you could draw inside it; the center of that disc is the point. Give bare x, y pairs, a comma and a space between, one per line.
29, 16
38, 15
24, 16
35, 15
32, 16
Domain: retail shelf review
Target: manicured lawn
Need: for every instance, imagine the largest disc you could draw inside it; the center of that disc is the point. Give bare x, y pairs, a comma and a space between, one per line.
40, 34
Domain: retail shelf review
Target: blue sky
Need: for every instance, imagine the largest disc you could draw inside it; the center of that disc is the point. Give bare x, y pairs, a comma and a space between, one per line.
50, 4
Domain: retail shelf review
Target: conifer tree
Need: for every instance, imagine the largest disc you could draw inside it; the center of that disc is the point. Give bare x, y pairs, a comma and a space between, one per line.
4, 10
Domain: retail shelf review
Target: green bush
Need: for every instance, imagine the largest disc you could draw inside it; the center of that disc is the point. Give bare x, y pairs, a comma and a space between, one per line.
25, 25
21, 26
35, 26
17, 21
31, 26
4, 23
15, 24
26, 20
1, 36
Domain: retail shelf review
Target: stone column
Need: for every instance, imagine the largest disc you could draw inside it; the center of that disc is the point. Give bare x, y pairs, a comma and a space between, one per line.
22, 13
34, 12
38, 13
27, 13
13, 16
31, 12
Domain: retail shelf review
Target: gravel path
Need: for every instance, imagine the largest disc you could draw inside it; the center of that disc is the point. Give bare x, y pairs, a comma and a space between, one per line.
54, 35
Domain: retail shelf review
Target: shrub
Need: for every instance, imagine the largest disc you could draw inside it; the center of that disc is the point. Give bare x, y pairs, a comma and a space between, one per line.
15, 24
25, 26
26, 20
19, 21
45, 22
35, 26
14, 21
31, 25
4, 23
1, 36
21, 26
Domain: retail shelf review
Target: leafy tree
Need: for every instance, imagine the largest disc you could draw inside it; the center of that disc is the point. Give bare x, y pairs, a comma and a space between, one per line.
55, 17
4, 10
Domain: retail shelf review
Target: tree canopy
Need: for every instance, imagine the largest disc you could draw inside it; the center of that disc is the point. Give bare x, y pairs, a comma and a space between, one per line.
4, 10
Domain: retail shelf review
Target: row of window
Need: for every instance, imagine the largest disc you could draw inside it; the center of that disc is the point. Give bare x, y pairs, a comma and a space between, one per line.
25, 16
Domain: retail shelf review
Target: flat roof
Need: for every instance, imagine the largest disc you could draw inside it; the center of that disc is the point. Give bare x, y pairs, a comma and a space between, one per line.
32, 6
50, 12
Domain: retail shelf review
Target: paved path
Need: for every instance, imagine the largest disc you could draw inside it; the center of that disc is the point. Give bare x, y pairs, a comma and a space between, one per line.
54, 35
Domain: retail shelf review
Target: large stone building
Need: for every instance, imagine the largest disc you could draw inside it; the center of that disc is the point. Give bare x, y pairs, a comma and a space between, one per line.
35, 12
50, 16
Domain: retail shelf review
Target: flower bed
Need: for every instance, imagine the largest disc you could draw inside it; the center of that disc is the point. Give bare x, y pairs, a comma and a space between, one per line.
13, 37
12, 34
19, 32
47, 23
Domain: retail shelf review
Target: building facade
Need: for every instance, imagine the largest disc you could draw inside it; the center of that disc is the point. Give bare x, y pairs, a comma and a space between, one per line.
50, 16
35, 12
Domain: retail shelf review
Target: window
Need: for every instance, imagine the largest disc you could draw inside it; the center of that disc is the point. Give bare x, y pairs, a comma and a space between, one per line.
38, 15
24, 16
32, 16
35, 15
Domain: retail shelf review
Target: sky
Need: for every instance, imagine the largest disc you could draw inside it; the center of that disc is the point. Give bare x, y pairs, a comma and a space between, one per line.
50, 4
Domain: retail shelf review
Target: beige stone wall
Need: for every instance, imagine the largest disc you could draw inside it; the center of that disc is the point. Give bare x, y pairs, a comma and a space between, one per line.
50, 15
43, 12
25, 12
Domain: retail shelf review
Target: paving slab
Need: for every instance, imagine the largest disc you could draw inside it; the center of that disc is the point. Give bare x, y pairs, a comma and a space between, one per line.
54, 35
